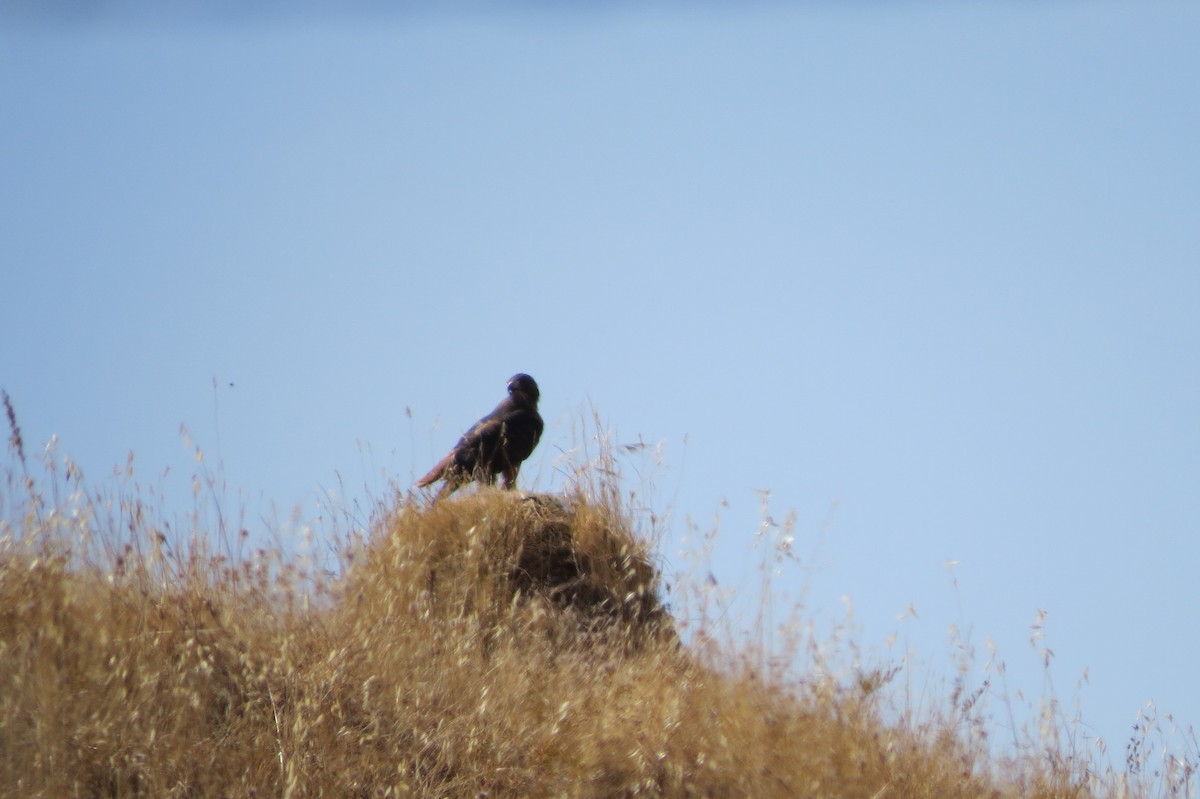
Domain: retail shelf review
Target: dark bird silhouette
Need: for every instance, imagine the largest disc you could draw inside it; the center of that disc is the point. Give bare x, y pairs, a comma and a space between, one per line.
496, 444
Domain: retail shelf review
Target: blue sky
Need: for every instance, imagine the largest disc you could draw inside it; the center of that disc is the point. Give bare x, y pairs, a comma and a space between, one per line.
928, 272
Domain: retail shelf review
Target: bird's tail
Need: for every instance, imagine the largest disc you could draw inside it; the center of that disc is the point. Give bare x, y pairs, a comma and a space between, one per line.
437, 472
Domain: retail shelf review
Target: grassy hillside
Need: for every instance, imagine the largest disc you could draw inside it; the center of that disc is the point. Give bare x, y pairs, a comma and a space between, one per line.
495, 645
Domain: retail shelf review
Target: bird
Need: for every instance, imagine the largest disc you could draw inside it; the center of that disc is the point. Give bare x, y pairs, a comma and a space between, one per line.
495, 445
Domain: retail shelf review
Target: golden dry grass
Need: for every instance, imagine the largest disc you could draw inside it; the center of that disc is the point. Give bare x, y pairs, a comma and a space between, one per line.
495, 645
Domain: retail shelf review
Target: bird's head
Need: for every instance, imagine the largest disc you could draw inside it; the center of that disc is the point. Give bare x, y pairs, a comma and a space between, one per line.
524, 385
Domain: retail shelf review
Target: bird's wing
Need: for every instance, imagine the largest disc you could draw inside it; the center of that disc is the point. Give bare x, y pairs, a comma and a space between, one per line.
483, 435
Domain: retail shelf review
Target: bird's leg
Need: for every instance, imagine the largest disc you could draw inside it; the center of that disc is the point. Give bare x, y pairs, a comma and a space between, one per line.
510, 476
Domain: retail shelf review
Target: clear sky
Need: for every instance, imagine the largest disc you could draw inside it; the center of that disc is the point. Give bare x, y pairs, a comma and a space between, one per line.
929, 272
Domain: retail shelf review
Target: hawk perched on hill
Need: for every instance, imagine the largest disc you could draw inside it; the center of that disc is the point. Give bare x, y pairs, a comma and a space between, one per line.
496, 444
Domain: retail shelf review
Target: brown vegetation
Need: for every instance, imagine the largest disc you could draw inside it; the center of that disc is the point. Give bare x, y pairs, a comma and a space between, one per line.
498, 645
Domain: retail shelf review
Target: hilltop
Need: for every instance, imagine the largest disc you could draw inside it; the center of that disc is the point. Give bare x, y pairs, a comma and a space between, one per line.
498, 644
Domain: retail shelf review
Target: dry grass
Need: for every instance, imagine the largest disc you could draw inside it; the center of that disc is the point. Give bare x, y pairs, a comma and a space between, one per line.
497, 645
